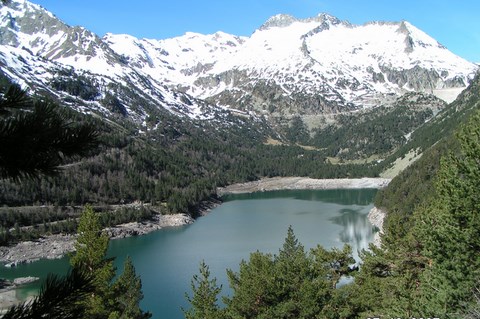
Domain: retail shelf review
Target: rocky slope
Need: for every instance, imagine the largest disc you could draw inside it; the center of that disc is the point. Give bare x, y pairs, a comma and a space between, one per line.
57, 246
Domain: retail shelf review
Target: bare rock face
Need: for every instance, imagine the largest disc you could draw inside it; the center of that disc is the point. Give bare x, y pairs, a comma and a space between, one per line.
24, 280
377, 216
142, 228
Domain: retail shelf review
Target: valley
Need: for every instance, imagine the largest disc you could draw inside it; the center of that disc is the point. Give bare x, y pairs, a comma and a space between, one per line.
169, 140
300, 103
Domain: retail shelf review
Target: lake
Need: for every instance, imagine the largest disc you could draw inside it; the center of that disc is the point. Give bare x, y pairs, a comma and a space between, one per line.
167, 259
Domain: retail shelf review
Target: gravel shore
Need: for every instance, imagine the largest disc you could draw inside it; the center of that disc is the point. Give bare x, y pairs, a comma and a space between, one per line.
376, 216
292, 183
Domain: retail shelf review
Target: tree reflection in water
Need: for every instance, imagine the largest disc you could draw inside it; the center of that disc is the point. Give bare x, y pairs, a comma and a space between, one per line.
357, 230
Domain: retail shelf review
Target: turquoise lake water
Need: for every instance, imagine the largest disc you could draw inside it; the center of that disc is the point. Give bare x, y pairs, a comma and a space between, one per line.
167, 259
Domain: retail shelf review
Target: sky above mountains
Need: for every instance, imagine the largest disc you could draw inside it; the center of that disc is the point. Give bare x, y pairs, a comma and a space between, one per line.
453, 23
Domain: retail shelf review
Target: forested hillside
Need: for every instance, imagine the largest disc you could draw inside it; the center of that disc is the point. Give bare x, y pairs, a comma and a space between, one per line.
439, 128
431, 267
435, 139
379, 131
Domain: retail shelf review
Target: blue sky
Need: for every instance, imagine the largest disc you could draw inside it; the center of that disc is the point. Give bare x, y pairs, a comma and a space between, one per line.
453, 23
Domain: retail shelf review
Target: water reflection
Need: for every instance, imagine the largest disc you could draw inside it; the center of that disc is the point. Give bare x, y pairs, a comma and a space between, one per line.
357, 230
334, 196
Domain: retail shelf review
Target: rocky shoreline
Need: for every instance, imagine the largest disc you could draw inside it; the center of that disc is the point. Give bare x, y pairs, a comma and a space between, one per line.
293, 183
57, 246
8, 297
376, 216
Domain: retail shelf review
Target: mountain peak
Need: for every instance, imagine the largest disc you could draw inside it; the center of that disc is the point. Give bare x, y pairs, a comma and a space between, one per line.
278, 21
414, 37
324, 20
317, 63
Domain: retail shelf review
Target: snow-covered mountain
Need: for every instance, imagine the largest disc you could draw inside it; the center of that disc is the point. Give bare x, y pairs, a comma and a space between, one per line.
42, 53
287, 66
323, 62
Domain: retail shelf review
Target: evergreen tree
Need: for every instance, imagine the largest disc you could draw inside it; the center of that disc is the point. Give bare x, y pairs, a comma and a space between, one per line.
35, 137
128, 294
450, 228
90, 258
432, 269
291, 274
255, 289
335, 263
204, 299
292, 284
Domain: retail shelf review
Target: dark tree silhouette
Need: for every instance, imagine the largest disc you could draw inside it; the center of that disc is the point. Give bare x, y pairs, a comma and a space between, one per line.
35, 137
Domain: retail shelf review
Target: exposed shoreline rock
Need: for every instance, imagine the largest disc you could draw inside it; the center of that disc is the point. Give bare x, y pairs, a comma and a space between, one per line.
292, 183
57, 246
24, 280
48, 247
376, 216
145, 227
8, 296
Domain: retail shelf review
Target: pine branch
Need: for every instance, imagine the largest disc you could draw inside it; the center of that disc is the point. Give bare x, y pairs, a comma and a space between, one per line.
58, 298
14, 98
36, 143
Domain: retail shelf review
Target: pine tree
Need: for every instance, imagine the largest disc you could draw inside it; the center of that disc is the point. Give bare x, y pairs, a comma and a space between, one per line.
335, 263
36, 138
291, 273
432, 270
255, 289
205, 293
90, 258
450, 228
128, 294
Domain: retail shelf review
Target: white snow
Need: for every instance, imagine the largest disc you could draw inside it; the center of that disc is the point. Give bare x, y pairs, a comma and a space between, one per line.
297, 57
